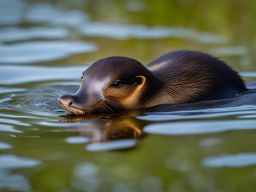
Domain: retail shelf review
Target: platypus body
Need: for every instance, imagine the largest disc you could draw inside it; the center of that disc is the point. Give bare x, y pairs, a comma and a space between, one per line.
115, 84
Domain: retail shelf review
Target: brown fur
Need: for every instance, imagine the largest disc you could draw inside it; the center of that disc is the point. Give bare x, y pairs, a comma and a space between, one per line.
176, 77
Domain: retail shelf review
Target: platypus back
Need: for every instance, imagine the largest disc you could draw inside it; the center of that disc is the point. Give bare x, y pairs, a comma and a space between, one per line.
193, 76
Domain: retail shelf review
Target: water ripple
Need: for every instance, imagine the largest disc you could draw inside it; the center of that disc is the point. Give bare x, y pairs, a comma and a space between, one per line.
10, 90
112, 145
46, 13
27, 74
164, 117
13, 122
4, 146
34, 104
199, 113
86, 176
38, 101
15, 34
210, 142
42, 51
11, 11
13, 161
202, 127
13, 182
8, 128
248, 74
236, 160
118, 31
77, 140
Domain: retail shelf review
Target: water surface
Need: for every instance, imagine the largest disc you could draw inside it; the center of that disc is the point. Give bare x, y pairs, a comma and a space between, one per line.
44, 48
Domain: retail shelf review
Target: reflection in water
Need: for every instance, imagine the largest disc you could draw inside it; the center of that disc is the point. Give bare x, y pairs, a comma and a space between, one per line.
194, 128
4, 146
47, 13
236, 160
77, 140
112, 145
151, 184
10, 34
105, 130
28, 74
117, 31
11, 11
86, 177
13, 182
210, 142
198, 114
13, 121
241, 104
52, 37
8, 128
42, 51
13, 161
101, 133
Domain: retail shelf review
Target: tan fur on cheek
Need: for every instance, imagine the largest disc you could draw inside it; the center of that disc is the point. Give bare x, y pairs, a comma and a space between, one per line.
133, 98
127, 95
116, 94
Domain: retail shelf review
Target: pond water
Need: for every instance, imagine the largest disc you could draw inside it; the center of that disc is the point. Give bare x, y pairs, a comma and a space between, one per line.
45, 46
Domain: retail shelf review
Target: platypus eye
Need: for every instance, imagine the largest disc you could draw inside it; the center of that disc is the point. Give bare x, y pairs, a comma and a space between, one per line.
116, 84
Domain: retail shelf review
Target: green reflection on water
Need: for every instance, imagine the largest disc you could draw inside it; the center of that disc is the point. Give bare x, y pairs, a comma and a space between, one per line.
156, 163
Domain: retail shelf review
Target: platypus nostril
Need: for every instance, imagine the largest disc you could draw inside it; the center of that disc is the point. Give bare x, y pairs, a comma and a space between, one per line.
70, 103
66, 100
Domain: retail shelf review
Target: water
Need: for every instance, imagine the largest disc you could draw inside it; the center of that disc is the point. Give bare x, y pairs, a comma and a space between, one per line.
45, 46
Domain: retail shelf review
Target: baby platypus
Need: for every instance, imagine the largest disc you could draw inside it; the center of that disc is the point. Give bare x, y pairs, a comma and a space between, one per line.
115, 84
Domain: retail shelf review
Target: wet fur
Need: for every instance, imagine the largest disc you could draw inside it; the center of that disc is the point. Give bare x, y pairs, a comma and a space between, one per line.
176, 77
187, 76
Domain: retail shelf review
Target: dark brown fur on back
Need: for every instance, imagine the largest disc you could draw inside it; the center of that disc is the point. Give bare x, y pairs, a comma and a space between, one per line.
187, 76
118, 83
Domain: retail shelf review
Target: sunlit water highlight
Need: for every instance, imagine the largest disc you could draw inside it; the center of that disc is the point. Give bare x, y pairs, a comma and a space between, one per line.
237, 160
43, 51
10, 34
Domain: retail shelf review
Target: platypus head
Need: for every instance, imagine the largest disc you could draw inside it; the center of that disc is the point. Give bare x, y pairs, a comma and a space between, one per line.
110, 85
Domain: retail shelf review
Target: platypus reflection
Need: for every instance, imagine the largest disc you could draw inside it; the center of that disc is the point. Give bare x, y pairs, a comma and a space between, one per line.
115, 84
102, 130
